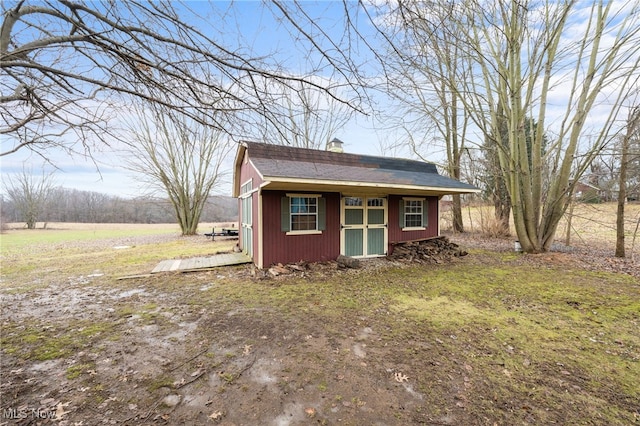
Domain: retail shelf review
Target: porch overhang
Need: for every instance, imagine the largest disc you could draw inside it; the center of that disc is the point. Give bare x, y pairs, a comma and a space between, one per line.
362, 188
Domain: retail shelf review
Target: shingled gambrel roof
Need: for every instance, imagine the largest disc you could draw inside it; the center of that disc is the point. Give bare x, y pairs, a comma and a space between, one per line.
289, 168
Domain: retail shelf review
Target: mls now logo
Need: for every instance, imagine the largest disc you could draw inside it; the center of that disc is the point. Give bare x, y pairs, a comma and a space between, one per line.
34, 413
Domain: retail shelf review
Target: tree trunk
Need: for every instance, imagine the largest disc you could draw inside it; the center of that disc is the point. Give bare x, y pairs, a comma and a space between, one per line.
567, 238
620, 217
458, 225
31, 224
502, 205
632, 126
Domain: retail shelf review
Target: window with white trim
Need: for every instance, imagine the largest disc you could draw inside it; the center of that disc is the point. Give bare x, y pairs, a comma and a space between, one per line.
413, 213
246, 201
304, 213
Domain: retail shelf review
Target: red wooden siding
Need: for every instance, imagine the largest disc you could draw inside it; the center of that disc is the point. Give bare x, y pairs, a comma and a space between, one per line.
396, 233
279, 247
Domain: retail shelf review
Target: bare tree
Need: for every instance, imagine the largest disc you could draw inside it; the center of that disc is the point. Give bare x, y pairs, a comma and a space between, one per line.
68, 66
29, 194
179, 157
423, 69
494, 179
310, 119
631, 135
495, 185
523, 51
522, 54
604, 173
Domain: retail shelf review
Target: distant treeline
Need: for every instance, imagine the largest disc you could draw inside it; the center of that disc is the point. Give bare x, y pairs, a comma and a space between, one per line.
72, 205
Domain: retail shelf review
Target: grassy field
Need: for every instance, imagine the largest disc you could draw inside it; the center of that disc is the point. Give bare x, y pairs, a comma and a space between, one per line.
493, 338
81, 249
17, 235
57, 233
590, 224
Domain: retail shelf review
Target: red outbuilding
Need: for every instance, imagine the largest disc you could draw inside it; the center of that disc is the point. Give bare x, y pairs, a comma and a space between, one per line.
313, 205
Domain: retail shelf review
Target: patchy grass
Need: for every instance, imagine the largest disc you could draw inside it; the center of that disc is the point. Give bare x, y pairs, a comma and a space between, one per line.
34, 340
493, 338
529, 330
555, 345
439, 310
78, 370
161, 382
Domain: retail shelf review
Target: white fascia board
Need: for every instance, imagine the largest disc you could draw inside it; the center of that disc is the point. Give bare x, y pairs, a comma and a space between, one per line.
330, 183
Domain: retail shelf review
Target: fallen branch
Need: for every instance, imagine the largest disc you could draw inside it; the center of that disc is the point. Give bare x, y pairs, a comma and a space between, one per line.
181, 385
248, 366
131, 277
189, 360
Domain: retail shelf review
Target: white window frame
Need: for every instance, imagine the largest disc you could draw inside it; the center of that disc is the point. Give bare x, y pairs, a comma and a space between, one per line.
306, 231
246, 190
422, 227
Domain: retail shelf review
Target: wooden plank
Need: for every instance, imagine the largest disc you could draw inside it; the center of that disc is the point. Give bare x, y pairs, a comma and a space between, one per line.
222, 259
163, 266
394, 243
199, 263
131, 277
175, 265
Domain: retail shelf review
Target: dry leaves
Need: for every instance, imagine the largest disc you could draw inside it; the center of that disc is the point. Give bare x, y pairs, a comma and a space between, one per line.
399, 377
216, 415
60, 410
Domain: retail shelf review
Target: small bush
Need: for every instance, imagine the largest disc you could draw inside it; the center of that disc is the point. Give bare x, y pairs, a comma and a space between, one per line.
493, 227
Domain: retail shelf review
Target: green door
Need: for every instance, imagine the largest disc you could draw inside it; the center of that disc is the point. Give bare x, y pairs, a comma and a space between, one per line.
353, 226
364, 229
376, 227
353, 242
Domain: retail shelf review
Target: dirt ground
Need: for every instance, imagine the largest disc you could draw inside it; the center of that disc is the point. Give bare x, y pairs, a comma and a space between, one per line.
186, 364
162, 350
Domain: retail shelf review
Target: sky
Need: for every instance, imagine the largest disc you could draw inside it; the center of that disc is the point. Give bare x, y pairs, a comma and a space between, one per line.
247, 26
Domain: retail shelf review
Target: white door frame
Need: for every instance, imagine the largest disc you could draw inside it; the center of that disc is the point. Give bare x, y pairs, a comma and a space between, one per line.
365, 226
246, 217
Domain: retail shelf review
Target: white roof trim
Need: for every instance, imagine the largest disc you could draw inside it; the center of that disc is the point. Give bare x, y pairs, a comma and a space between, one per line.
323, 182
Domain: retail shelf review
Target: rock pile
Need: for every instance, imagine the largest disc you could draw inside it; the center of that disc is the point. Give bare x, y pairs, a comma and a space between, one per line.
280, 269
429, 250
